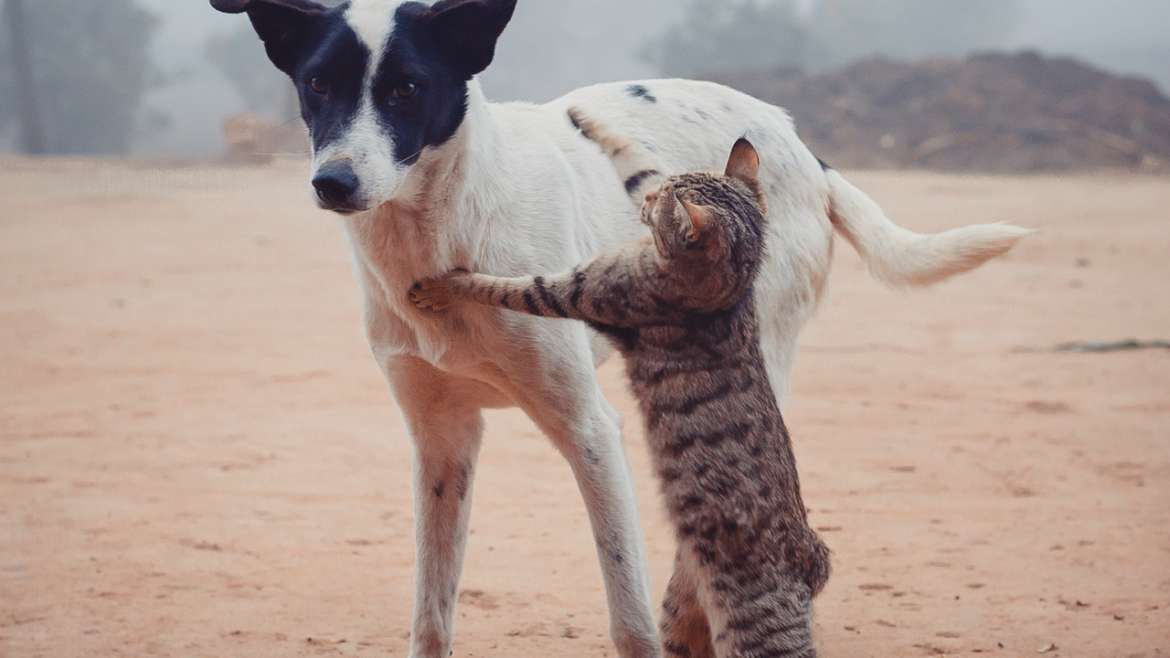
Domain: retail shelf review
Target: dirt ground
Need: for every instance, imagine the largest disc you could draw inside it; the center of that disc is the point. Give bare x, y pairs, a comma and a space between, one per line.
198, 458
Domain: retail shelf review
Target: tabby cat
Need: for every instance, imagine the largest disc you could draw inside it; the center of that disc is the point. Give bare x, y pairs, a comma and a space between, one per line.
678, 305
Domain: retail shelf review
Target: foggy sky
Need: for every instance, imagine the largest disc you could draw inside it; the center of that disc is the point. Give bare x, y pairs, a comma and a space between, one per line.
600, 40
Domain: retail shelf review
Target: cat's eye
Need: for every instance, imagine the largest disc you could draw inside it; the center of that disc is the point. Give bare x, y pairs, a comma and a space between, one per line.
319, 86
403, 91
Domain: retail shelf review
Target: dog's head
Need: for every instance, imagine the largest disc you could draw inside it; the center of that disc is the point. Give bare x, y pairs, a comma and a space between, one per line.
379, 81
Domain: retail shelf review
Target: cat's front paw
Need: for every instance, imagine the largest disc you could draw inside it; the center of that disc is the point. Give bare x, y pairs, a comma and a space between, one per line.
431, 295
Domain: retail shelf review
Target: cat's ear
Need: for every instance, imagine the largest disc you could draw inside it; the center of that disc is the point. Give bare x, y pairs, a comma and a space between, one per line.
744, 163
697, 218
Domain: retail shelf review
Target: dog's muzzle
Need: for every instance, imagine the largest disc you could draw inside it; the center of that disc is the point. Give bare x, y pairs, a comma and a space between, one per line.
337, 187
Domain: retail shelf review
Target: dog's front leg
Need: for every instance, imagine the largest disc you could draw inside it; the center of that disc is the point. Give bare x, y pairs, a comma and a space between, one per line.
446, 427
558, 389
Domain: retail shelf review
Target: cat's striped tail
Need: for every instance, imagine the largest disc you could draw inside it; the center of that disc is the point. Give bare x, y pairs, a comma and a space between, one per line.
634, 164
900, 257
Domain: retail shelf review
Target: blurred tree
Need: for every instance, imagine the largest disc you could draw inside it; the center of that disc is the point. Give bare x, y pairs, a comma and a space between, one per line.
83, 66
759, 35
733, 35
847, 30
32, 133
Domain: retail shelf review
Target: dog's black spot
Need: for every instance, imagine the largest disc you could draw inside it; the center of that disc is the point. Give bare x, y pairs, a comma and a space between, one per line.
439, 48
637, 179
824, 165
440, 488
591, 457
463, 481
326, 49
640, 91
414, 56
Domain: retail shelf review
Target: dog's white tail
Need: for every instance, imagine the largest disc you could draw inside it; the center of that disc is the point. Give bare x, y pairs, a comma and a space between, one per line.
900, 257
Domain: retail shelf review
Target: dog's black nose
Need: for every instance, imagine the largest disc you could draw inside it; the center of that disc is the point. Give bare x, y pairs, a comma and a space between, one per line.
336, 185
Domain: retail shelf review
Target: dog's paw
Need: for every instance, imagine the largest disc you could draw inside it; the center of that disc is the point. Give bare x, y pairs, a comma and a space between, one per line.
431, 295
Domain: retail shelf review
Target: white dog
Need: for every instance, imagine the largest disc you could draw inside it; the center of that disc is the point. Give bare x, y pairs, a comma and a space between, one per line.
432, 177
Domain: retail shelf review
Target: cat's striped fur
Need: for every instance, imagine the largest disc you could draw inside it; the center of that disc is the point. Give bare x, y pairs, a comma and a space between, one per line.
679, 307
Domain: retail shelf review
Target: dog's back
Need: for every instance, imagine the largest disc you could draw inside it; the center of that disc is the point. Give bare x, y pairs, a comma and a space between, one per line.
688, 125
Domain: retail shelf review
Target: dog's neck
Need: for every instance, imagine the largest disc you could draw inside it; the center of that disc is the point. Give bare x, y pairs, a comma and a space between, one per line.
439, 214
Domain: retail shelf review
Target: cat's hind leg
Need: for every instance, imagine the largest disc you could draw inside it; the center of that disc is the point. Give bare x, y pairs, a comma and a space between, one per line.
756, 612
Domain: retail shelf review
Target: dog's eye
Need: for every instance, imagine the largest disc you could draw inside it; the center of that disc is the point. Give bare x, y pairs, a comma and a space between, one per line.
319, 86
403, 91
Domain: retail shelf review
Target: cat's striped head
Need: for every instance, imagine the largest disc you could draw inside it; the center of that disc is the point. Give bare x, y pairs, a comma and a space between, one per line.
713, 217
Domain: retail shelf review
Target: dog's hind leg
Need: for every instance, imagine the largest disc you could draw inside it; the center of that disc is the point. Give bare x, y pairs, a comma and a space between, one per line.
557, 386
446, 426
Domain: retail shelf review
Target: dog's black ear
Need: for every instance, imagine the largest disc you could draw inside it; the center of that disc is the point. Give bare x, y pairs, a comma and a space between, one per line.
467, 31
281, 24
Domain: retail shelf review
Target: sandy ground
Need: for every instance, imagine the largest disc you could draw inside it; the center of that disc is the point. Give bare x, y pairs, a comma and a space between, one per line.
199, 458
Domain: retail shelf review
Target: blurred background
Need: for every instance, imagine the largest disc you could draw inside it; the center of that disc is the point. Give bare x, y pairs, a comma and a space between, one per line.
1014, 85
199, 457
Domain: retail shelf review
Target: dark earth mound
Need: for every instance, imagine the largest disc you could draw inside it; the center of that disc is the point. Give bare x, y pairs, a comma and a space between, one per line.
992, 112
